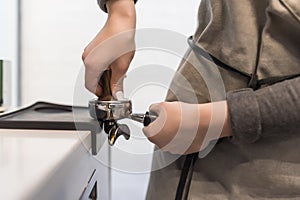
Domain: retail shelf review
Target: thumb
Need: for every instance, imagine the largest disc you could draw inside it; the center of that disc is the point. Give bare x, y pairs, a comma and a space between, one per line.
155, 108
157, 125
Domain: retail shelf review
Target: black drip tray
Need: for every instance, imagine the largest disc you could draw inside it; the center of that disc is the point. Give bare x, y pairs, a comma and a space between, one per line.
50, 116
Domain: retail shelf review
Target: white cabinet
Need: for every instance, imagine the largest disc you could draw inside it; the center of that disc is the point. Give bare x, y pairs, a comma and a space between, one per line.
42, 164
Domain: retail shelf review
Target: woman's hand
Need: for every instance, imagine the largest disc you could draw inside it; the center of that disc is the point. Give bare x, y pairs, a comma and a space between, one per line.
113, 47
182, 128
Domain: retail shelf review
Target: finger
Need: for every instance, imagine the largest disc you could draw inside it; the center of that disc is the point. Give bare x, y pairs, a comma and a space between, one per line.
116, 81
98, 91
92, 74
104, 82
153, 132
99, 55
155, 108
91, 82
116, 86
95, 89
119, 95
96, 41
156, 127
149, 131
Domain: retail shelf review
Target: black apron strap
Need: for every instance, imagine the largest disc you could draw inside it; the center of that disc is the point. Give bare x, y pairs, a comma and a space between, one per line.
183, 186
276, 79
199, 51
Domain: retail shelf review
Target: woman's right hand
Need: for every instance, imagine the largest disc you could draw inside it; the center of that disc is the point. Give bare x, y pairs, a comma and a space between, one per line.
113, 47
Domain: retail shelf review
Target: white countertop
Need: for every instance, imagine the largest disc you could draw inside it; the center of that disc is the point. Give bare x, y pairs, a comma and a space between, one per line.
41, 160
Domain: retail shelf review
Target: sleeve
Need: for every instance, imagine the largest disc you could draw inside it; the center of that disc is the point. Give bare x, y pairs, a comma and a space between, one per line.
265, 112
102, 4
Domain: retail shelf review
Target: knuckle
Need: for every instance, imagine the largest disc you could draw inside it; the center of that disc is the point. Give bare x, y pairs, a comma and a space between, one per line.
92, 66
162, 105
87, 86
87, 62
152, 139
162, 146
121, 64
84, 54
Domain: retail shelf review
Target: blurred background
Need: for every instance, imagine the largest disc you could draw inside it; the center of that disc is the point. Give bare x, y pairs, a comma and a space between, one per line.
43, 41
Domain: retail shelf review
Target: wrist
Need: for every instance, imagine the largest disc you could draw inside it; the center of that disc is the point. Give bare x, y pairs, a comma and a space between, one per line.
227, 130
121, 8
216, 115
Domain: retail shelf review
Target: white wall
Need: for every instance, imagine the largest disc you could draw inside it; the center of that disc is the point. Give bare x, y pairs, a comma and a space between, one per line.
54, 35
8, 40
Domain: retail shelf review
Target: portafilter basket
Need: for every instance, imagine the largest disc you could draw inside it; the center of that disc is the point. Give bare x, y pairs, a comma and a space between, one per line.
109, 112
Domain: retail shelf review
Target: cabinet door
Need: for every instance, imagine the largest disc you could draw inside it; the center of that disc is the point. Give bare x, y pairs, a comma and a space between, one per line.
90, 191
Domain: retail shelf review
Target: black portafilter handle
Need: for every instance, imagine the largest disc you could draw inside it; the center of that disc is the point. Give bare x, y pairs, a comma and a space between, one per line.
145, 119
149, 118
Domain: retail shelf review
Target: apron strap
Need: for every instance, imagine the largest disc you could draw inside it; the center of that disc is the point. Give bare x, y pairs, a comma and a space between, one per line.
183, 186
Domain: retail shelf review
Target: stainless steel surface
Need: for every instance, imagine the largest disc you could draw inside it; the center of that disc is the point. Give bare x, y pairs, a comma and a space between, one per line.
109, 112
137, 117
115, 110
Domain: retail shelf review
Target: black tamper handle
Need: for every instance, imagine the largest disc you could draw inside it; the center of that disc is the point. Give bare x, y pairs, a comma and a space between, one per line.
149, 117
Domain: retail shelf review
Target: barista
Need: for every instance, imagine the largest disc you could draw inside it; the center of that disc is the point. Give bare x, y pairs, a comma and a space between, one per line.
261, 130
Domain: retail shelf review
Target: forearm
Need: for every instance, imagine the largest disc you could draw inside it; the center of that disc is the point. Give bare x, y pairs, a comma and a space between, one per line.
273, 110
121, 15
121, 8
121, 18
216, 116
103, 4
248, 115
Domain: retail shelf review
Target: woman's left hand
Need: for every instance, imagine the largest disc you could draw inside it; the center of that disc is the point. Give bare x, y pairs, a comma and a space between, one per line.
182, 128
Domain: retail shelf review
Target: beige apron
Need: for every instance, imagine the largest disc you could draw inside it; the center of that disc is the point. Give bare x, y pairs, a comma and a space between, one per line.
252, 36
